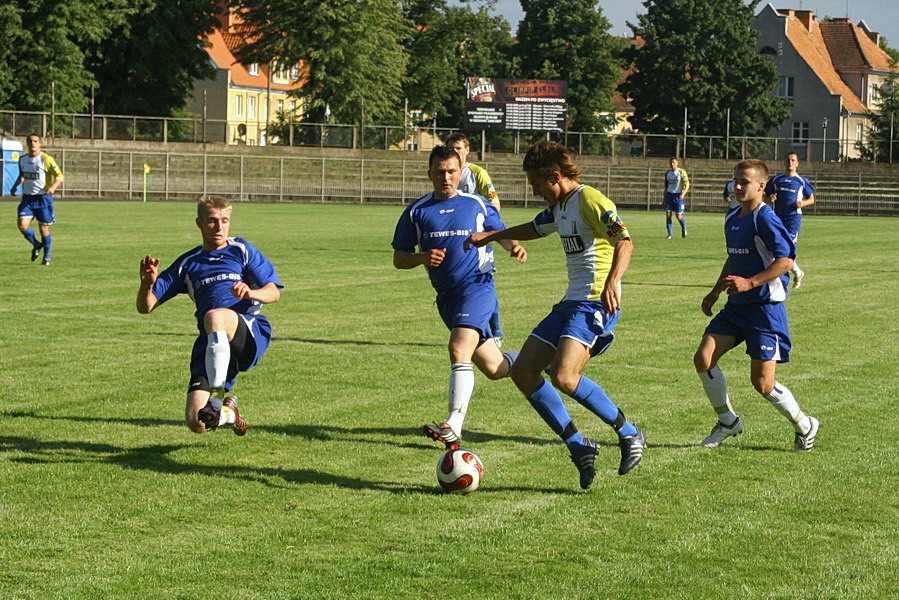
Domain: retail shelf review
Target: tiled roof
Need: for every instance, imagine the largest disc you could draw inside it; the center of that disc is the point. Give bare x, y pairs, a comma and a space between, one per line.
804, 33
851, 49
221, 47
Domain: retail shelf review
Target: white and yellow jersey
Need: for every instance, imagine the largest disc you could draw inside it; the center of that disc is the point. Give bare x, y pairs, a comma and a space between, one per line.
588, 224
475, 180
676, 181
38, 172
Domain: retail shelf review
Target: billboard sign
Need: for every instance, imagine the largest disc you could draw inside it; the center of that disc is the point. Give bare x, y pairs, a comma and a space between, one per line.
509, 104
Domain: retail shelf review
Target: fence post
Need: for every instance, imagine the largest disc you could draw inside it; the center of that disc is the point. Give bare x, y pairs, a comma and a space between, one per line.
241, 190
648, 186
281, 181
99, 174
205, 166
322, 184
167, 164
130, 173
403, 186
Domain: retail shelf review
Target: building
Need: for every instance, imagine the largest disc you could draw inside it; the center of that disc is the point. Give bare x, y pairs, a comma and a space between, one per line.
240, 100
830, 71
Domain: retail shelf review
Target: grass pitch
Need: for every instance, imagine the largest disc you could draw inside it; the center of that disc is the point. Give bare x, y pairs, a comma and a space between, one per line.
332, 494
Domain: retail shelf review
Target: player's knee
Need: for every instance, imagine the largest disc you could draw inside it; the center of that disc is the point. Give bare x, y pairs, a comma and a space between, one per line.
763, 386
195, 425
701, 362
565, 381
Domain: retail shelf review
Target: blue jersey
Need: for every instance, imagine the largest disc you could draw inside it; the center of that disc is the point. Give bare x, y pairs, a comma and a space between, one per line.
207, 276
754, 242
789, 190
429, 223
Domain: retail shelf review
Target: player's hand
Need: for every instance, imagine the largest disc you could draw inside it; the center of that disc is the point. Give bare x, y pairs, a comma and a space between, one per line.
434, 257
13, 190
519, 253
476, 239
149, 269
241, 290
611, 298
734, 284
708, 302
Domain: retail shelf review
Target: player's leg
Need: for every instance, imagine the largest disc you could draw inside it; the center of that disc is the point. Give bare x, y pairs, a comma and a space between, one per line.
46, 242
682, 220
668, 226
712, 347
793, 228
220, 325
462, 345
25, 216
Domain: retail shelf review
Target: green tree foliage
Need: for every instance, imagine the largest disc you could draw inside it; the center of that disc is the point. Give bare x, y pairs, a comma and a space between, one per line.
455, 43
569, 40
885, 46
42, 44
352, 52
884, 123
146, 66
701, 55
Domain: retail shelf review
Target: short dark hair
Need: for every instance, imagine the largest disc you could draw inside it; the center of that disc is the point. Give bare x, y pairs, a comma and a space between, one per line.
443, 153
207, 203
545, 157
753, 163
457, 137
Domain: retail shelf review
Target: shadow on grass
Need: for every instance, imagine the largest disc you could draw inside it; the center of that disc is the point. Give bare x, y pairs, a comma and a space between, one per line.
156, 458
322, 341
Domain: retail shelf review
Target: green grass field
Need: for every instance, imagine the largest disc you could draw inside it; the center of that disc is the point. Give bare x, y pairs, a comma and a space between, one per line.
106, 495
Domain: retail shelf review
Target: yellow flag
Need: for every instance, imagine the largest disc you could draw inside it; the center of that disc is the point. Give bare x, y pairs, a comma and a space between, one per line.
146, 168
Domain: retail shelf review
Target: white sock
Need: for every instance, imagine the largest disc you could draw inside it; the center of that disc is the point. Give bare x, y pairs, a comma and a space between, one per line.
782, 399
461, 387
218, 356
226, 416
715, 386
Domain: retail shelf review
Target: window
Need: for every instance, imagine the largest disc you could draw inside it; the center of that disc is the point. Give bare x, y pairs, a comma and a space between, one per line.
768, 51
280, 107
238, 106
268, 109
251, 107
800, 133
293, 107
859, 132
294, 73
785, 89
254, 69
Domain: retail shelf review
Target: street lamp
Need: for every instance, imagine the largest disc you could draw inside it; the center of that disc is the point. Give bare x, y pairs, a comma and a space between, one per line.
824, 145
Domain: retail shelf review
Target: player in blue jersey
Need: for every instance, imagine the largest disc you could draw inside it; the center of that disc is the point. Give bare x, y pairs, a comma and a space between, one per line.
677, 183
598, 249
729, 195
760, 253
790, 192
430, 232
39, 176
229, 280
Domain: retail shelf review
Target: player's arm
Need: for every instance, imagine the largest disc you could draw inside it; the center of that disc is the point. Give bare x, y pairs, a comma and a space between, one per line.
149, 271
266, 294
54, 170
410, 260
621, 259
479, 239
735, 284
19, 181
802, 203
685, 184
515, 250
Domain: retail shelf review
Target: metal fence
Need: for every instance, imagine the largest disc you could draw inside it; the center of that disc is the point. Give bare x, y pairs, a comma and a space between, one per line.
120, 175
196, 130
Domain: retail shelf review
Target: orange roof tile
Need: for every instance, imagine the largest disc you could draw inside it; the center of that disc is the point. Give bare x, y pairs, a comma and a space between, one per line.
221, 47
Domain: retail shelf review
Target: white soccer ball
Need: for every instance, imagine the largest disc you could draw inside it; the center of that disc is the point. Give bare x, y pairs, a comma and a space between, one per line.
460, 471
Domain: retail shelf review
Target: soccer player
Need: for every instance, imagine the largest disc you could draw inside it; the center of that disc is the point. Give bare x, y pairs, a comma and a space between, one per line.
229, 280
475, 180
790, 192
677, 182
430, 232
759, 255
39, 176
729, 195
598, 250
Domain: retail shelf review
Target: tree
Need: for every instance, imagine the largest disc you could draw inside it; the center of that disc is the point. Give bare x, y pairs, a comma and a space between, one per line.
569, 40
701, 55
884, 123
456, 43
146, 65
352, 54
41, 49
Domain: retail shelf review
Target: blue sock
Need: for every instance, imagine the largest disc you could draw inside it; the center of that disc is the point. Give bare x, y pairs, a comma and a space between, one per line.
29, 235
668, 225
48, 241
683, 225
548, 404
595, 399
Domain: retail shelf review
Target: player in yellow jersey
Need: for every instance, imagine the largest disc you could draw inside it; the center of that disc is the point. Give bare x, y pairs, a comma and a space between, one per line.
39, 176
598, 249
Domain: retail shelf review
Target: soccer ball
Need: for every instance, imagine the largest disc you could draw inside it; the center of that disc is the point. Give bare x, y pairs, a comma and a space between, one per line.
460, 471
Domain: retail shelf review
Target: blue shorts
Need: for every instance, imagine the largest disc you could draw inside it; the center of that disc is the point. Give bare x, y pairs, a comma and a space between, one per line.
471, 305
39, 207
249, 344
673, 203
584, 321
792, 223
763, 327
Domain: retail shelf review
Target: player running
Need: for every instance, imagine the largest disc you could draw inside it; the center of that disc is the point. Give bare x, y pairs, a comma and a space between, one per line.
790, 192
